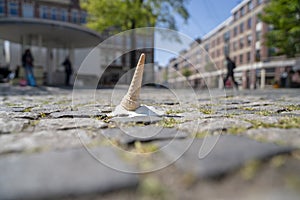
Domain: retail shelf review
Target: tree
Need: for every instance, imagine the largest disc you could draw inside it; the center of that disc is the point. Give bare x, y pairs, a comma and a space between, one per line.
120, 15
130, 14
186, 72
283, 16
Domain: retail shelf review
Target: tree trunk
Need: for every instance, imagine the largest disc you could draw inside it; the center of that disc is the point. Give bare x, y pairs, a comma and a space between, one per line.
133, 46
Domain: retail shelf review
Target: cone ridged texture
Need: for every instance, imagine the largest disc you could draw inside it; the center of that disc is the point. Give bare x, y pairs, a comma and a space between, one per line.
131, 100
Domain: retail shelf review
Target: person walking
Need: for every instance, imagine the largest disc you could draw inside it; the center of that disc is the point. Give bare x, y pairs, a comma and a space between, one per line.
230, 73
27, 62
68, 70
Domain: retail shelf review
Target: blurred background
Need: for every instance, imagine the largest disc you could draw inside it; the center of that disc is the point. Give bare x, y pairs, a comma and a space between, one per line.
265, 50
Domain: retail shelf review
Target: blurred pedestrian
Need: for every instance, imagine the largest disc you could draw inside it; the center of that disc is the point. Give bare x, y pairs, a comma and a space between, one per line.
68, 70
230, 73
283, 78
17, 71
27, 62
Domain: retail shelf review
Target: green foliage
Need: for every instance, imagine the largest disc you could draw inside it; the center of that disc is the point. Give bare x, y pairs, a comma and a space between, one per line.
171, 111
206, 111
169, 122
284, 17
144, 148
129, 14
292, 107
249, 171
235, 130
152, 188
186, 72
27, 109
264, 112
284, 123
202, 134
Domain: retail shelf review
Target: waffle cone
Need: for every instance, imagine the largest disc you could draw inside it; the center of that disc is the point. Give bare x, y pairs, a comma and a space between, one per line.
131, 100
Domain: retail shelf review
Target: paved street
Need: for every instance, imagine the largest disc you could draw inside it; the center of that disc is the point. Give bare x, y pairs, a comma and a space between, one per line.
207, 144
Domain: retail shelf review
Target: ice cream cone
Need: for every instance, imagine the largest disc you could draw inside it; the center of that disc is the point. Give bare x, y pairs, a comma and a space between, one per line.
131, 100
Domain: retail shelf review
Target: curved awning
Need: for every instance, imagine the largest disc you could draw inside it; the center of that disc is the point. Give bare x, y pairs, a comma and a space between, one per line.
54, 33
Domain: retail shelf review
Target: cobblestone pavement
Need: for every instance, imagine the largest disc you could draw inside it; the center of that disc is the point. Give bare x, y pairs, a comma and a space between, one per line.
62, 144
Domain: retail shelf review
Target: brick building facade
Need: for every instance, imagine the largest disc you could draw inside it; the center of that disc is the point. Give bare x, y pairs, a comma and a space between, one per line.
241, 38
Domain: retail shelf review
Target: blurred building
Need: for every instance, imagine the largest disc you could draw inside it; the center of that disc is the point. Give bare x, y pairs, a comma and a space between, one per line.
241, 38
54, 29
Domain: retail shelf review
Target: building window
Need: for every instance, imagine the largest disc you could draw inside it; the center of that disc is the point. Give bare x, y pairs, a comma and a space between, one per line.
248, 57
54, 13
249, 23
235, 31
64, 15
226, 49
44, 12
257, 18
250, 5
218, 53
27, 10
227, 36
234, 46
13, 9
2, 7
259, 2
235, 15
83, 16
241, 43
257, 55
75, 16
271, 51
213, 54
213, 44
242, 27
206, 47
241, 58
249, 40
218, 40
258, 35
242, 11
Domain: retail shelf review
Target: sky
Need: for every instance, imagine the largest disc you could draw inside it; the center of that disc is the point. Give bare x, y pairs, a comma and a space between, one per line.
205, 15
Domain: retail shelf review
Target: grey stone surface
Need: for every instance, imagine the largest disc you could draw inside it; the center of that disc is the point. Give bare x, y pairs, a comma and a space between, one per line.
128, 135
47, 109
12, 125
43, 140
283, 136
69, 123
265, 119
46, 124
58, 174
137, 119
76, 114
224, 154
24, 115
213, 124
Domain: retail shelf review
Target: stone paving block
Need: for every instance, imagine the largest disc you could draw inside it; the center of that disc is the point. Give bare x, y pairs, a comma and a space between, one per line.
12, 125
76, 114
24, 115
265, 119
128, 135
285, 136
69, 123
48, 109
57, 174
137, 119
227, 154
43, 140
213, 124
